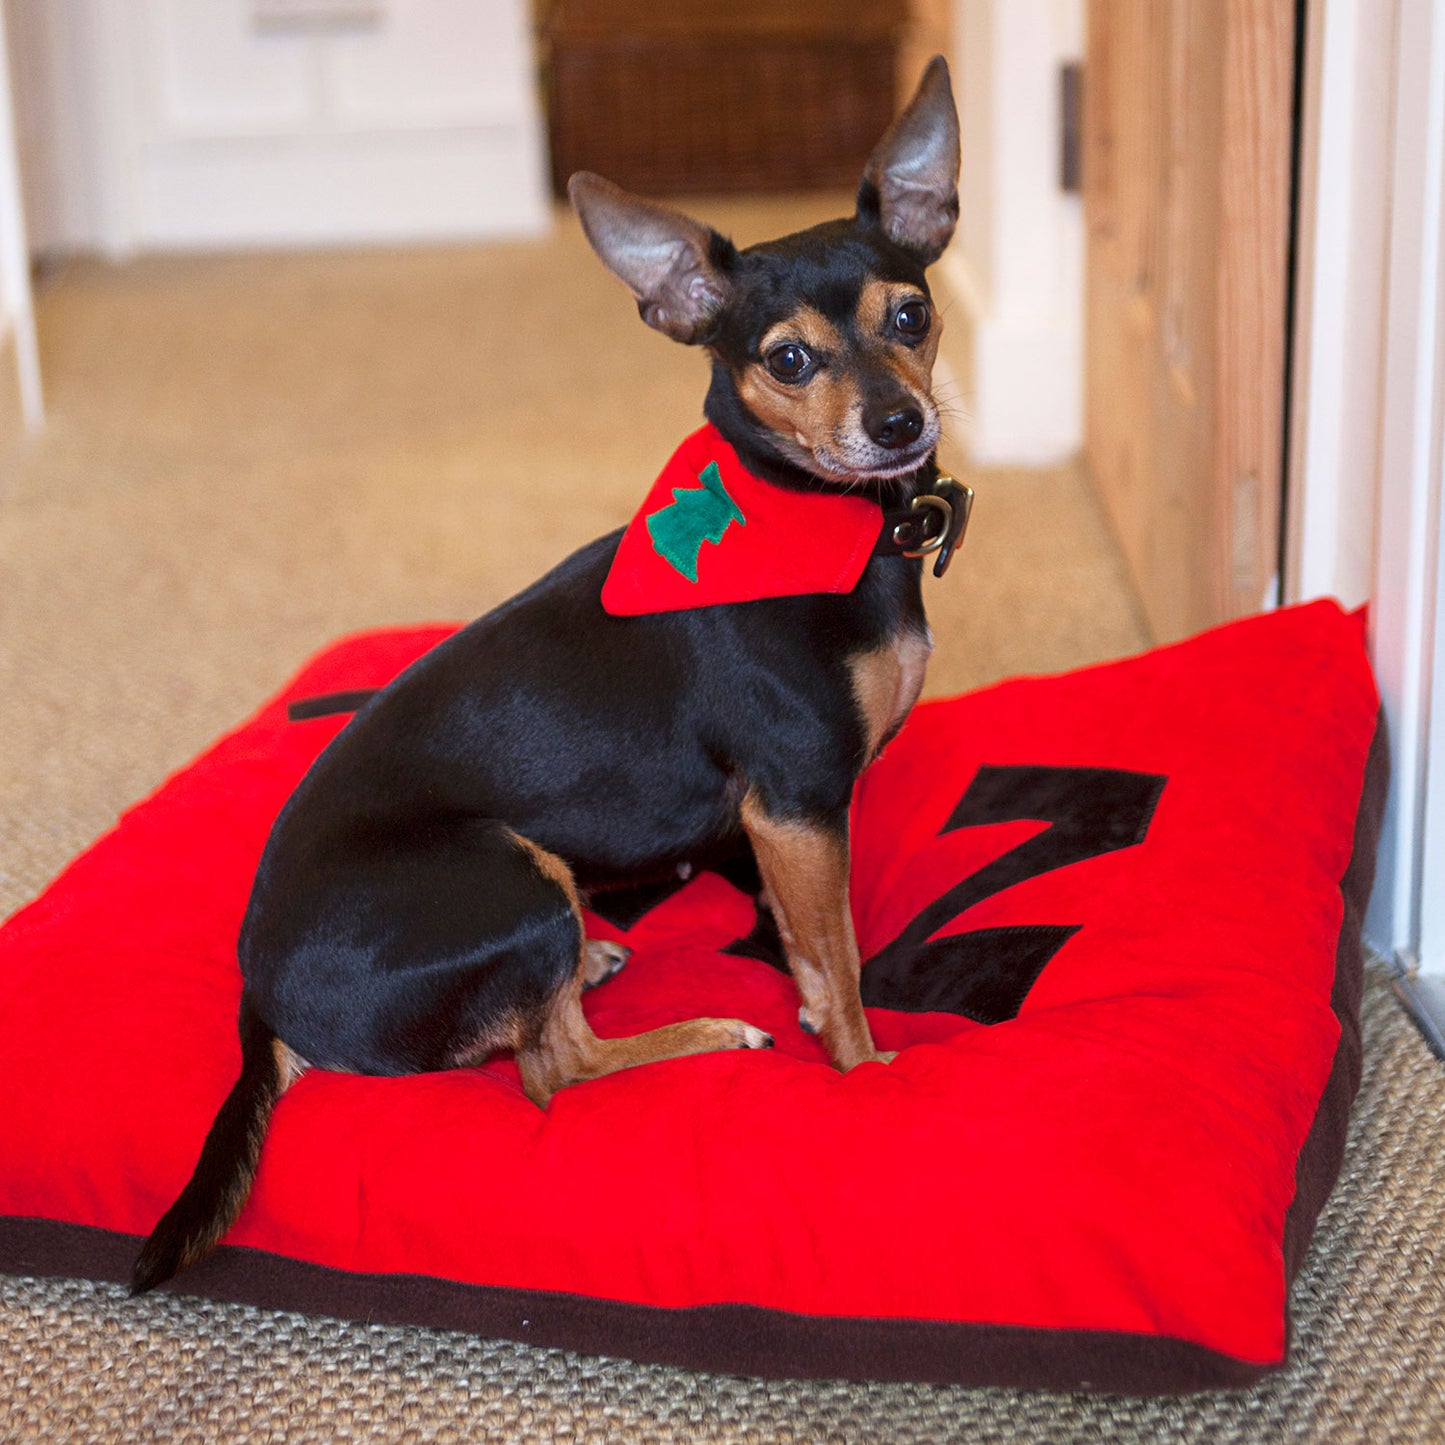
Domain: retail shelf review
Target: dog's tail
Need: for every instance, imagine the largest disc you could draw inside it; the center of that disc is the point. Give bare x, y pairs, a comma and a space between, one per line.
208, 1205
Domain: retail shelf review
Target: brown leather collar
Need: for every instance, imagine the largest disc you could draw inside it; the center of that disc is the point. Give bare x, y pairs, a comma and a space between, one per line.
934, 523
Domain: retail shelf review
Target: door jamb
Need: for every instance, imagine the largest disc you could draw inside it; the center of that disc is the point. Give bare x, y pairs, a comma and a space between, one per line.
1364, 513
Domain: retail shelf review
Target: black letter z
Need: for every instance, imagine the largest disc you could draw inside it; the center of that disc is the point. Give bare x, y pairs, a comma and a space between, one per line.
986, 974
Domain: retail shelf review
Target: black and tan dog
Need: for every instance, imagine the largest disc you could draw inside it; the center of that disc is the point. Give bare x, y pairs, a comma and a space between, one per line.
418, 903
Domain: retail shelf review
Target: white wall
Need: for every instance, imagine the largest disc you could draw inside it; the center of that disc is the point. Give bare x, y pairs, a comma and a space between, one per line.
179, 123
19, 362
1017, 264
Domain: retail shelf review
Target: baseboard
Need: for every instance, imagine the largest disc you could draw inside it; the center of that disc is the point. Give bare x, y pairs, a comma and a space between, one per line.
1424, 1000
1024, 379
955, 293
469, 183
963, 284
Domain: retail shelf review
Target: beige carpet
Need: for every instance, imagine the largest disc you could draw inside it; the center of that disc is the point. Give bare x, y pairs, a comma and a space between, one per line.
248, 456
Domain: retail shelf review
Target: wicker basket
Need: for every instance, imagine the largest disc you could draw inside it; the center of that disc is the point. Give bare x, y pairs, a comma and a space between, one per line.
755, 99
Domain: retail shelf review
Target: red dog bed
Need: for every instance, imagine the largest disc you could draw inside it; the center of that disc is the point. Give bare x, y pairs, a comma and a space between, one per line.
1111, 921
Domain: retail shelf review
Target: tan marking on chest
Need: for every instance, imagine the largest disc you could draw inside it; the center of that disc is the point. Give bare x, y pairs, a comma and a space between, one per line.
886, 684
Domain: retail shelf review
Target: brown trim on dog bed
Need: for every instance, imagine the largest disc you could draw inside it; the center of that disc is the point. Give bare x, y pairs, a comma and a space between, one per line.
727, 1339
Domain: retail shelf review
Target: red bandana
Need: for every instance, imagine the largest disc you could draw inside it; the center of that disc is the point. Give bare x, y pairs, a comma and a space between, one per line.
710, 532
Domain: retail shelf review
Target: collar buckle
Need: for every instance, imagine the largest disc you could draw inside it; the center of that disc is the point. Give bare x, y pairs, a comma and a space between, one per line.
934, 524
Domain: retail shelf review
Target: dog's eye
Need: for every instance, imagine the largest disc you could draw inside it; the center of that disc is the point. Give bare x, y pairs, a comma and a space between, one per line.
912, 318
789, 362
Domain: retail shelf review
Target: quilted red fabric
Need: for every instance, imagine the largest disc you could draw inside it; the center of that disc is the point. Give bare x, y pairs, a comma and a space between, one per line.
1113, 1160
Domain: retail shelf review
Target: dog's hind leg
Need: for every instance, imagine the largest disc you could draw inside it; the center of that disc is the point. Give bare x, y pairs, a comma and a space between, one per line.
561, 1048
567, 1051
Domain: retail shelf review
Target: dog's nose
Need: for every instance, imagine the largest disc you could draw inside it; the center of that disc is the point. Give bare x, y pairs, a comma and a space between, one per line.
892, 425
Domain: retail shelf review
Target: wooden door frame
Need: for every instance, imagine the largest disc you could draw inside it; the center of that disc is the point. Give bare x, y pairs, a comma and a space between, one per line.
1188, 175
1382, 475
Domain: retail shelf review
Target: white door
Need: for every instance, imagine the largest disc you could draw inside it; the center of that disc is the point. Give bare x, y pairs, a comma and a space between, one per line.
218, 123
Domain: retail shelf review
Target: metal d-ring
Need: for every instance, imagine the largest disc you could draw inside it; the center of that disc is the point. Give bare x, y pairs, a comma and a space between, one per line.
929, 499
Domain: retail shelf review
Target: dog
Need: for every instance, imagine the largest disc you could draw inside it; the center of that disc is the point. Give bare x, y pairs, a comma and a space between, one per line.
418, 905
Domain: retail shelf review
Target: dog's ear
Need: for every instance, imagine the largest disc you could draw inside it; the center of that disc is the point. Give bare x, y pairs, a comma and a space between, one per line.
673, 265
910, 184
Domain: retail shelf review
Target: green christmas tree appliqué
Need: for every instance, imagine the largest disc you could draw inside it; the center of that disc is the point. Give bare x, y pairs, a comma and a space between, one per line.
694, 516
